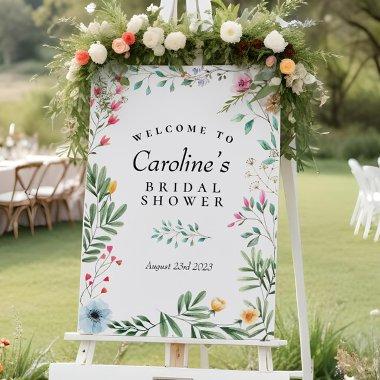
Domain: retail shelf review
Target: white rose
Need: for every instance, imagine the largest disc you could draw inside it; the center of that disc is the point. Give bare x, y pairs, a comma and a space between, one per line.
136, 23
93, 27
276, 81
159, 50
145, 19
275, 41
105, 28
152, 8
175, 41
98, 53
153, 36
231, 32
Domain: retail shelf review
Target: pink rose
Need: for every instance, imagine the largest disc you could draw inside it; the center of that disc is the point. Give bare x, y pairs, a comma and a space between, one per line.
119, 46
271, 61
242, 83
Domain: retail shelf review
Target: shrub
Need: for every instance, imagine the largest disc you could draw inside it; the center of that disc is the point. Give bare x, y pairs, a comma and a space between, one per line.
18, 361
362, 146
325, 340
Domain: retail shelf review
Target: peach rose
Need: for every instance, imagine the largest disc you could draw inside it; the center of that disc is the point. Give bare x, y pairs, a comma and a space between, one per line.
250, 316
119, 46
271, 61
287, 66
218, 304
82, 57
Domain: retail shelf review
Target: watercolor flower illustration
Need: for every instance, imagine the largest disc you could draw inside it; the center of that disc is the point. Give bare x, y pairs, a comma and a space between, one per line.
250, 316
242, 83
218, 304
94, 317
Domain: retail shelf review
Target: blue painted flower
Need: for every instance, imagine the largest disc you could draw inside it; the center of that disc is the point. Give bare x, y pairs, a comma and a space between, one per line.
93, 317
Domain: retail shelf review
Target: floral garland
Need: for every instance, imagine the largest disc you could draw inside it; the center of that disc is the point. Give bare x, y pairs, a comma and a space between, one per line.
255, 37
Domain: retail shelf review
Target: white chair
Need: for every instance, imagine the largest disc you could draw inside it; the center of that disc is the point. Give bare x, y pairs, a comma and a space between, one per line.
357, 172
373, 177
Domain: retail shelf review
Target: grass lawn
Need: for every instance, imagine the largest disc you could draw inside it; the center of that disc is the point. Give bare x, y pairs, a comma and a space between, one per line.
39, 276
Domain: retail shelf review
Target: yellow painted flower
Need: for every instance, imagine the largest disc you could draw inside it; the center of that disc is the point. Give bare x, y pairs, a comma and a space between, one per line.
250, 316
218, 304
287, 66
112, 187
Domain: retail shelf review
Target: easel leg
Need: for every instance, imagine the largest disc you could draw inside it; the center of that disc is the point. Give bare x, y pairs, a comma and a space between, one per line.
288, 172
265, 359
176, 355
86, 352
204, 357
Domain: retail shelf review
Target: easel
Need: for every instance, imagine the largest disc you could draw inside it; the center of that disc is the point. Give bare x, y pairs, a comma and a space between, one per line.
176, 349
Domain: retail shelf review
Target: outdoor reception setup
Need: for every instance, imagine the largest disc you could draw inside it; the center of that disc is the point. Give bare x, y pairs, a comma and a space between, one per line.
189, 123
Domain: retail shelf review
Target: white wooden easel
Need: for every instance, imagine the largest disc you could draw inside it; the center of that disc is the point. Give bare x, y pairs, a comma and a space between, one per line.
176, 349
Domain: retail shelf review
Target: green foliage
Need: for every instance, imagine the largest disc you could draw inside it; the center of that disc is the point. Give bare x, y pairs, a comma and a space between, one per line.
179, 233
18, 34
21, 361
72, 98
101, 219
30, 116
354, 142
325, 339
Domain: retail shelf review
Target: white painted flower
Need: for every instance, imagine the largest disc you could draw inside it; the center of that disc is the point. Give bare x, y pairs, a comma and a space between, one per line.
159, 50
153, 36
152, 8
105, 28
375, 313
93, 28
175, 41
275, 81
137, 22
231, 32
98, 53
275, 41
90, 8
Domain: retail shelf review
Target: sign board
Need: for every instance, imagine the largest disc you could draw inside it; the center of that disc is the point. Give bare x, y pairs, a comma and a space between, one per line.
181, 205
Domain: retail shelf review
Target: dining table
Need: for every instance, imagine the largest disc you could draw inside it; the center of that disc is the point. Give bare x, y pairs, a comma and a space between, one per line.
7, 181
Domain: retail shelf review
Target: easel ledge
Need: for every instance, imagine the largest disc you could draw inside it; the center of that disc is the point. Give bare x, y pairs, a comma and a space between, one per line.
73, 336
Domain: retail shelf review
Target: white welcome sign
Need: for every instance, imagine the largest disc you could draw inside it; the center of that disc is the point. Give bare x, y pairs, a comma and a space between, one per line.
181, 203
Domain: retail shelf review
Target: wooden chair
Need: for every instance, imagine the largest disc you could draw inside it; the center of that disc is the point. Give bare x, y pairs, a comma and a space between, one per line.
15, 202
46, 195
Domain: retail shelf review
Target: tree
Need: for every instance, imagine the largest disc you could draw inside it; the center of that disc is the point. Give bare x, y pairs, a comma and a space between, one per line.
19, 36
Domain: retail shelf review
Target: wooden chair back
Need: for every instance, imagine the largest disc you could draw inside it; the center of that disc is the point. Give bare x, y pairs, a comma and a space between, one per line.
59, 166
25, 177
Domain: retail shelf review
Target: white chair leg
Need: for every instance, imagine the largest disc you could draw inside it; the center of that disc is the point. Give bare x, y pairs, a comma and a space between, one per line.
356, 211
204, 357
368, 224
265, 359
377, 235
359, 221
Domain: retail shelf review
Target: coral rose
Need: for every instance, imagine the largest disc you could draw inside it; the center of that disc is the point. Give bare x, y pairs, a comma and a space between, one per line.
82, 57
287, 66
218, 304
4, 342
129, 38
271, 61
119, 46
250, 316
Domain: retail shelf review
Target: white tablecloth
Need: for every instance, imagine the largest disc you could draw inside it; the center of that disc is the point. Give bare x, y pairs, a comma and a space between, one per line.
7, 178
